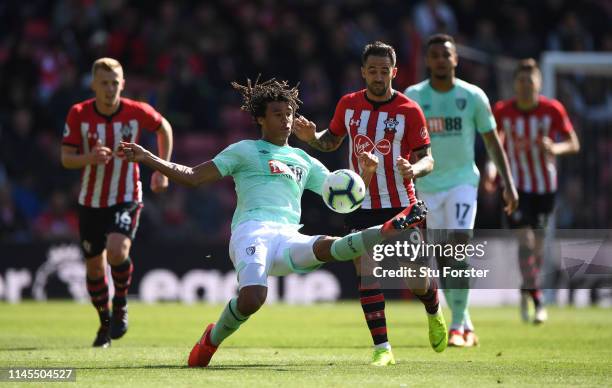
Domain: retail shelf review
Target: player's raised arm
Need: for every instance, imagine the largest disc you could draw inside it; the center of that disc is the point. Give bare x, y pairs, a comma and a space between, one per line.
203, 173
306, 131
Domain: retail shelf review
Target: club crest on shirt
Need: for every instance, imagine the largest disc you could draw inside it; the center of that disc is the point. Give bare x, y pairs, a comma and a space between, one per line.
250, 250
390, 125
126, 132
461, 103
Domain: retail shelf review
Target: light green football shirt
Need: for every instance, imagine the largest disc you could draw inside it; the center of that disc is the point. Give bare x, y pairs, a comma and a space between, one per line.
453, 118
269, 180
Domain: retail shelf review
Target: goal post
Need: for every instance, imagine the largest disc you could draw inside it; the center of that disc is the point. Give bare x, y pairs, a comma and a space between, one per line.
555, 62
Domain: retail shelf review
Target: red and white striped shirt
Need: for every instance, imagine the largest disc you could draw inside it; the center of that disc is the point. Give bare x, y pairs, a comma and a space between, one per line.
390, 129
522, 132
118, 181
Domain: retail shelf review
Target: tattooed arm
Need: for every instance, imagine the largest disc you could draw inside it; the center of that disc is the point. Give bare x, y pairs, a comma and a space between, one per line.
324, 141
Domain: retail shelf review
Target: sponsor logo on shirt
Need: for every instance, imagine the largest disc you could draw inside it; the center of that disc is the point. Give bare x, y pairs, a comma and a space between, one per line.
365, 144
294, 172
447, 126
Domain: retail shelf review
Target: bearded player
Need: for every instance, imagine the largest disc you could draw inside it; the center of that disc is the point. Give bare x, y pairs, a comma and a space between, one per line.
383, 121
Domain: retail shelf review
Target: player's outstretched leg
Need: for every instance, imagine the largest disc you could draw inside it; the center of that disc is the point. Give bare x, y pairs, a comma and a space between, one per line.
356, 244
122, 278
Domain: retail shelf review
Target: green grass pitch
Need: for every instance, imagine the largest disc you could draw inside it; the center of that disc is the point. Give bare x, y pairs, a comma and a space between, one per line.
321, 345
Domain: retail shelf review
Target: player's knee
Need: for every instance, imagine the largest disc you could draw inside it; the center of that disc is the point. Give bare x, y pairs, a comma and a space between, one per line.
251, 298
118, 249
95, 267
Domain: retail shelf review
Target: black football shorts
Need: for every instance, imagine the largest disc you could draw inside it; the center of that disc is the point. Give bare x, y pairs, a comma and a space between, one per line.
96, 223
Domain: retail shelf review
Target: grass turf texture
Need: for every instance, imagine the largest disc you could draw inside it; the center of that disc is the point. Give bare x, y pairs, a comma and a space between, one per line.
320, 345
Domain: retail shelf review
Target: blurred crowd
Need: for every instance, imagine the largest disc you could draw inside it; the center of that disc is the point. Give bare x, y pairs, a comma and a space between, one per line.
181, 57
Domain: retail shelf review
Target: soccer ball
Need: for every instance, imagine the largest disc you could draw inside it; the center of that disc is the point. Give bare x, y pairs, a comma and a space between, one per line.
343, 191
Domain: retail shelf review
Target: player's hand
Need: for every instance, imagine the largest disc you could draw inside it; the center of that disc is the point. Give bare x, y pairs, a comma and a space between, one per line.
159, 182
367, 161
405, 168
547, 145
100, 154
131, 152
511, 199
304, 129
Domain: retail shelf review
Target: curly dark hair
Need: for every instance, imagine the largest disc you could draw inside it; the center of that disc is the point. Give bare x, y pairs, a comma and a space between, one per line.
255, 96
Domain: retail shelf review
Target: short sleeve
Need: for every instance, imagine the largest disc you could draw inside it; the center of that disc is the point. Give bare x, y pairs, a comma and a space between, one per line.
72, 132
151, 119
485, 121
411, 93
416, 134
561, 122
316, 176
229, 160
337, 126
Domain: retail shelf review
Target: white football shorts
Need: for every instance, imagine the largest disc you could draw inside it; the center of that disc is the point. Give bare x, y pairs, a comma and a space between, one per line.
261, 248
452, 209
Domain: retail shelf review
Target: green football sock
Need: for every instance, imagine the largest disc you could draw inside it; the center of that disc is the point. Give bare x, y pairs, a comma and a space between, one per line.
449, 299
458, 301
356, 244
229, 321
